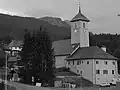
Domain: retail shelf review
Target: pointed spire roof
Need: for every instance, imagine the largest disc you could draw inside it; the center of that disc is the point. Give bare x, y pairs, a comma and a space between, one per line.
80, 16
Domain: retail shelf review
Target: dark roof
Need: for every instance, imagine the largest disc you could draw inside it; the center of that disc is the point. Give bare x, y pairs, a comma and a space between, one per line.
2, 53
80, 16
92, 52
76, 80
116, 53
62, 47
65, 73
16, 43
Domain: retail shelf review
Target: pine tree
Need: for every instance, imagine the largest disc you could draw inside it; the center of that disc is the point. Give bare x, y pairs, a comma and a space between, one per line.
43, 56
37, 54
26, 56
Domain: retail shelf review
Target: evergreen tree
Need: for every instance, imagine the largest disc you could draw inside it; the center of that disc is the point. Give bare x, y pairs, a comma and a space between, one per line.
37, 54
43, 56
26, 56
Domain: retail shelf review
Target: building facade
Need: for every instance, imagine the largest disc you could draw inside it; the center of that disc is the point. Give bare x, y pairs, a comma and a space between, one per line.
91, 62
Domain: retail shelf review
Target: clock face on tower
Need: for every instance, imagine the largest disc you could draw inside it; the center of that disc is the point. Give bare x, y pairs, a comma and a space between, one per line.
75, 30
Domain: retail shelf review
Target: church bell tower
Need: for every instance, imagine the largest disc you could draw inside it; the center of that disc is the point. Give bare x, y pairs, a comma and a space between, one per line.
79, 30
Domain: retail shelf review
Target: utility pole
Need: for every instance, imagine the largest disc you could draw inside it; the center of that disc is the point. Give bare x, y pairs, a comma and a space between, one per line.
7, 51
6, 57
81, 88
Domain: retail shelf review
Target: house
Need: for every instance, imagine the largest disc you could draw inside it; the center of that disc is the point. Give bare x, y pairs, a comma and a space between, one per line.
15, 46
93, 64
90, 62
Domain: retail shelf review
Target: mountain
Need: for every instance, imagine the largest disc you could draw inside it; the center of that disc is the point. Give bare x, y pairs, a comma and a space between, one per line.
55, 21
15, 26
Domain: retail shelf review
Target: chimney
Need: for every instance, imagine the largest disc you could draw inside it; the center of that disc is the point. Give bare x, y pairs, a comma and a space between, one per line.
103, 48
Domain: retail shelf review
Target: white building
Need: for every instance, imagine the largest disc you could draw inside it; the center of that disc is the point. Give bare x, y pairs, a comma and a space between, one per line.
92, 62
15, 46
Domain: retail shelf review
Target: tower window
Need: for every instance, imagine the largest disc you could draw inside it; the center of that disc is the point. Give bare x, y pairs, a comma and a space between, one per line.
83, 25
78, 62
82, 61
75, 25
73, 62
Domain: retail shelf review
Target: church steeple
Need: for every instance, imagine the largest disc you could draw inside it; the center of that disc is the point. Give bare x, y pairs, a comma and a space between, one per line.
80, 16
79, 29
79, 8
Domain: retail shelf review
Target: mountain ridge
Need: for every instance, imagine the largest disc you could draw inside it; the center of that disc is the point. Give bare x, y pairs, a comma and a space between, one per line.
55, 21
17, 25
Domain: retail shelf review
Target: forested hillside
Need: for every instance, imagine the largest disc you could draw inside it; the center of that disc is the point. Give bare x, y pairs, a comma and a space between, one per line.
15, 25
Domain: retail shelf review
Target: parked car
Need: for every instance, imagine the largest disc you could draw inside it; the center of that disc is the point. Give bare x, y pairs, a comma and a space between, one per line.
105, 84
113, 82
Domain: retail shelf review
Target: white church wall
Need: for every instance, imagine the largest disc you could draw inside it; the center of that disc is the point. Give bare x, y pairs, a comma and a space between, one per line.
79, 33
60, 61
84, 34
75, 34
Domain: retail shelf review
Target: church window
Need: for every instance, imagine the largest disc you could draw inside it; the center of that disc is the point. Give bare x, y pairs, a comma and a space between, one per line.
105, 71
73, 62
113, 63
68, 62
97, 62
81, 72
83, 25
113, 72
105, 62
97, 71
87, 62
78, 63
82, 61
75, 25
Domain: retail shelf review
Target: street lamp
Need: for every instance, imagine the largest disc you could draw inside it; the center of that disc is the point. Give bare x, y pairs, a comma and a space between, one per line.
81, 79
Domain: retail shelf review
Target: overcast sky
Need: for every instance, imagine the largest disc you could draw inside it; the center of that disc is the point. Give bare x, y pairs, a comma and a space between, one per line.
102, 13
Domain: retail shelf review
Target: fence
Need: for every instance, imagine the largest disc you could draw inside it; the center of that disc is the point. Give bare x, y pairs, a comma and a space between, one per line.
19, 86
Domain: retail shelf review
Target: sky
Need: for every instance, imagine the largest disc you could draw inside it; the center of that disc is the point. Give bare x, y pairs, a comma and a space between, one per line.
103, 14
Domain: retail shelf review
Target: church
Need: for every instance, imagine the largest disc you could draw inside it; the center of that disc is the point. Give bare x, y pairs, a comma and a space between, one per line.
90, 62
